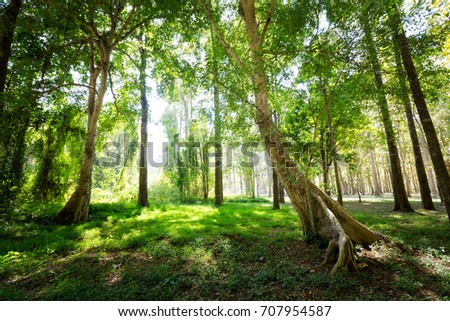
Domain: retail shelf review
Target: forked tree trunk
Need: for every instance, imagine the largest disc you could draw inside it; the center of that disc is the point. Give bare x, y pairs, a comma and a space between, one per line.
437, 158
401, 202
319, 214
143, 164
77, 207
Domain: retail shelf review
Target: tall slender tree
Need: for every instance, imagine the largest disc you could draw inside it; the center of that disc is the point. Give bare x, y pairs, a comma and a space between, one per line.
437, 158
425, 193
105, 25
401, 202
218, 171
143, 163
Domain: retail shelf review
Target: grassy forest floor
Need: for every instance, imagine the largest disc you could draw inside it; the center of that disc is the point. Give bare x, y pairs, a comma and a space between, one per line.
243, 250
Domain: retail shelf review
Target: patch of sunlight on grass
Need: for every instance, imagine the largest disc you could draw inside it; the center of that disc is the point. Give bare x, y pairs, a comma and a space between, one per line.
91, 238
199, 257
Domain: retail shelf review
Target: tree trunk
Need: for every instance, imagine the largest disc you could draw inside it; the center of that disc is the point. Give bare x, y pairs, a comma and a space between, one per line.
218, 173
325, 164
276, 192
270, 181
402, 159
10, 170
143, 164
401, 202
332, 144
338, 182
376, 185
425, 193
319, 214
7, 25
437, 158
281, 190
427, 163
77, 207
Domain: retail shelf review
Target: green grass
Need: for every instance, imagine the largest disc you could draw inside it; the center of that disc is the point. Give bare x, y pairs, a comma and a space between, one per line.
243, 250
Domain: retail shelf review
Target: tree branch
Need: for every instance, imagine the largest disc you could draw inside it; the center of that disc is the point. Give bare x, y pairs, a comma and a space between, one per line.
129, 32
225, 44
92, 29
269, 18
64, 85
121, 33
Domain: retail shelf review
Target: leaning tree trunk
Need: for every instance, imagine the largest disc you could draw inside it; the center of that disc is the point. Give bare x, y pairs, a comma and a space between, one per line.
143, 164
425, 192
77, 207
401, 202
319, 214
437, 158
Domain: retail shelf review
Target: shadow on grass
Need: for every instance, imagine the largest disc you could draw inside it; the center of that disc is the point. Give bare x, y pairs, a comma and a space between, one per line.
240, 251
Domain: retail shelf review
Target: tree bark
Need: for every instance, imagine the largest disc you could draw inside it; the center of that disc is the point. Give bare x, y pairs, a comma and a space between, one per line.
143, 164
319, 214
276, 192
401, 202
427, 163
218, 173
325, 164
269, 181
11, 170
8, 20
340, 199
281, 190
437, 158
